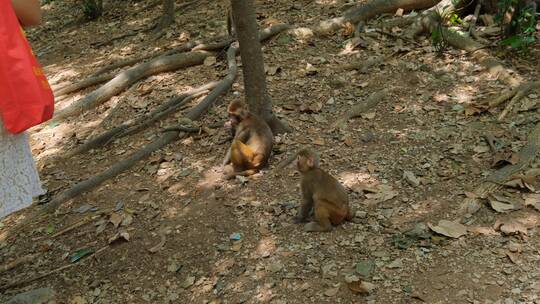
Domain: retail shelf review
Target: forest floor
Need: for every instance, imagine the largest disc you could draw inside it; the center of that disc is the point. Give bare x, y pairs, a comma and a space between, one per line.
408, 162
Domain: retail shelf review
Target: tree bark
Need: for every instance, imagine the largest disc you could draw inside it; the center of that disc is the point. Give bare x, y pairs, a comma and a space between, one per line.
167, 17
257, 97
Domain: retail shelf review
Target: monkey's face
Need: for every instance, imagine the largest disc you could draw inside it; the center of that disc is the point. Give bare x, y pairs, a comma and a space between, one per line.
234, 119
302, 164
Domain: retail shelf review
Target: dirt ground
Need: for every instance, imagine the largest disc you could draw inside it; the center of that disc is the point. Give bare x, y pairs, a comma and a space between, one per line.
183, 235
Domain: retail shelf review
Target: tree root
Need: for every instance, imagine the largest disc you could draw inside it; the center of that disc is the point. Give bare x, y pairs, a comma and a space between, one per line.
46, 274
455, 39
521, 91
128, 62
494, 182
128, 78
168, 137
134, 126
168, 62
88, 82
17, 262
368, 10
217, 44
358, 109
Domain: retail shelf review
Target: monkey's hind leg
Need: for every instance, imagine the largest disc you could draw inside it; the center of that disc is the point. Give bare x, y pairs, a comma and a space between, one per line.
241, 155
322, 217
349, 215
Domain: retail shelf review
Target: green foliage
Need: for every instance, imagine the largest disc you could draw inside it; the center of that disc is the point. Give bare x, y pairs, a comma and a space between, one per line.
518, 32
438, 39
455, 20
92, 9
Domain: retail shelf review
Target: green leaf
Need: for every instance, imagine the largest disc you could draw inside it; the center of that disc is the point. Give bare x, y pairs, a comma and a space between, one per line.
50, 228
81, 253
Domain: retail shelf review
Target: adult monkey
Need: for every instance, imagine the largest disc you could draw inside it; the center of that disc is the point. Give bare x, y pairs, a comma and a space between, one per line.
252, 142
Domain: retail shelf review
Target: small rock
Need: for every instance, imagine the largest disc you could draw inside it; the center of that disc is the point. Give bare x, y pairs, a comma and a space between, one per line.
411, 178
275, 267
35, 296
360, 214
397, 263
331, 292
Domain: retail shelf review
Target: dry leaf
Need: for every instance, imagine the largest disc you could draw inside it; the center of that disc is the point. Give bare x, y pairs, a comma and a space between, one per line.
449, 228
116, 219
361, 287
513, 257
384, 193
348, 140
533, 200
331, 292
482, 230
510, 226
318, 142
119, 236
471, 110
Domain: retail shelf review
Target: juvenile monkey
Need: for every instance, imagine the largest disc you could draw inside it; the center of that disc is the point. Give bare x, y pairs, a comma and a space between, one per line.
322, 193
252, 142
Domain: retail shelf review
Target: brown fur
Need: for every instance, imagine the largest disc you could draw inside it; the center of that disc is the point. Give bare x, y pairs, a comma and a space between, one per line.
322, 193
252, 143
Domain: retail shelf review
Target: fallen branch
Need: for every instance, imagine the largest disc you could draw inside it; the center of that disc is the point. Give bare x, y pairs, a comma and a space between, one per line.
128, 78
495, 181
361, 108
159, 143
46, 274
140, 123
17, 262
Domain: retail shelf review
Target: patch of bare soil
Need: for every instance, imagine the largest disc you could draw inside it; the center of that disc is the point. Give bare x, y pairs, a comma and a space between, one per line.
170, 230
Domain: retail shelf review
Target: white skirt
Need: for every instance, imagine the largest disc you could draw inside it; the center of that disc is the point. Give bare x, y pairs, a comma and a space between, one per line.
19, 179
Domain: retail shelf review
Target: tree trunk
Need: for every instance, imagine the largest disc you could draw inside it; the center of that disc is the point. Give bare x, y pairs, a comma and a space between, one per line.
167, 17
257, 97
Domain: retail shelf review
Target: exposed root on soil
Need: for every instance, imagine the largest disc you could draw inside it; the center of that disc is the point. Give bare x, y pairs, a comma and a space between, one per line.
17, 262
520, 92
168, 137
48, 273
215, 44
361, 108
130, 76
369, 10
88, 82
453, 38
136, 125
167, 62
496, 180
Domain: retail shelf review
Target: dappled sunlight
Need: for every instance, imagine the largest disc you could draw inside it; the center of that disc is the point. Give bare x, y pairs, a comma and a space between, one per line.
211, 178
265, 248
353, 180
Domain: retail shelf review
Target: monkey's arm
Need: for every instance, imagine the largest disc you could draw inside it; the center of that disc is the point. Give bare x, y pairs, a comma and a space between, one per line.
305, 207
227, 158
243, 136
